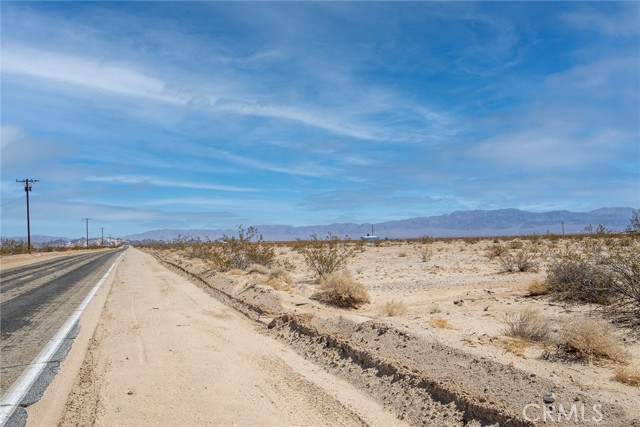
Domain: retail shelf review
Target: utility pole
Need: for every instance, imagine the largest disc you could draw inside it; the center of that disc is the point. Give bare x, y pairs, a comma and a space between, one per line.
102, 241
563, 228
87, 221
27, 189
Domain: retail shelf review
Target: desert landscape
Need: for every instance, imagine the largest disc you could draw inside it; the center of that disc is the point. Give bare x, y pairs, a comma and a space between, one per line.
449, 326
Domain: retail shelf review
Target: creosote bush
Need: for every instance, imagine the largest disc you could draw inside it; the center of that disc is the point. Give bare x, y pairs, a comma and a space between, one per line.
607, 274
324, 256
527, 324
521, 261
342, 290
242, 251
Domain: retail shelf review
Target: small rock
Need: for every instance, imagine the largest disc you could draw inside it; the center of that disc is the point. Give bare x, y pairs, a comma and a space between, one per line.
550, 397
458, 302
130, 392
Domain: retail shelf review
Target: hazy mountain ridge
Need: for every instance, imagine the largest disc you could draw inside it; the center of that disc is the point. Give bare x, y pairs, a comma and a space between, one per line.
501, 222
460, 223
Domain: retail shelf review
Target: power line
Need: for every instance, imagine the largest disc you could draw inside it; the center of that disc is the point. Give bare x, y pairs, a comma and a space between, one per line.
27, 188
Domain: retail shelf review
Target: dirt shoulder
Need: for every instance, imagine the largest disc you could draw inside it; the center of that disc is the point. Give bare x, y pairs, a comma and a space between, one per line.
166, 353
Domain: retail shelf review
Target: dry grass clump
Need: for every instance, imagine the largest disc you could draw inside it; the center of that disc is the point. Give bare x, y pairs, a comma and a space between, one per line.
394, 308
278, 285
257, 268
589, 340
440, 323
342, 290
280, 273
628, 375
538, 288
517, 346
527, 324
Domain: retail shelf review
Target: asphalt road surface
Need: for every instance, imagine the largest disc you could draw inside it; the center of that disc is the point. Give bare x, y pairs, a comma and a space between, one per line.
36, 300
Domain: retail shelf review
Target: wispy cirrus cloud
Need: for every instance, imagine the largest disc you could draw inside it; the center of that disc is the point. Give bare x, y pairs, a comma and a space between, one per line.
159, 182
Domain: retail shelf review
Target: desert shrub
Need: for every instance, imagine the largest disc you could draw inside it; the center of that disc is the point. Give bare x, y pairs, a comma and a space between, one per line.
342, 290
596, 273
527, 324
324, 256
619, 269
426, 254
628, 375
402, 254
521, 261
588, 340
12, 247
516, 244
280, 273
634, 223
496, 250
242, 251
394, 308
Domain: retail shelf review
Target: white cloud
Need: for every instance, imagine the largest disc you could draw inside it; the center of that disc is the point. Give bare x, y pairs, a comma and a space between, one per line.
310, 169
89, 72
146, 180
625, 22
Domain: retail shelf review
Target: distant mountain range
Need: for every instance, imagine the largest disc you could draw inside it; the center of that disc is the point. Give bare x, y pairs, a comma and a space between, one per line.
502, 222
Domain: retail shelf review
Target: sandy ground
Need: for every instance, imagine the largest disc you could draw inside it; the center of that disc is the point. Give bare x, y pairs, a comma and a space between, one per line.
166, 353
455, 300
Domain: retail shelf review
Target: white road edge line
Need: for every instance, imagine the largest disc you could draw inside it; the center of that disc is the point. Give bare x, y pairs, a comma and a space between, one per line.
12, 398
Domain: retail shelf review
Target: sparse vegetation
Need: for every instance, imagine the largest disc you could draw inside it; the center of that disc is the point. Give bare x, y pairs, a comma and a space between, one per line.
538, 288
257, 268
496, 250
240, 252
598, 273
527, 324
426, 254
589, 340
394, 308
440, 323
342, 290
324, 257
629, 375
521, 261
280, 273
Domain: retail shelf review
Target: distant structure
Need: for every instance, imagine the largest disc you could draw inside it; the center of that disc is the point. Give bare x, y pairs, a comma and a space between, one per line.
370, 237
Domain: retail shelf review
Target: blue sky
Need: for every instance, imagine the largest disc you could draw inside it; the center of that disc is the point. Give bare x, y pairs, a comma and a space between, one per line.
147, 115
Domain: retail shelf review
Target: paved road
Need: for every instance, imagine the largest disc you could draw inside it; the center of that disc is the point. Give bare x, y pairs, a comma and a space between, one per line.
36, 300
